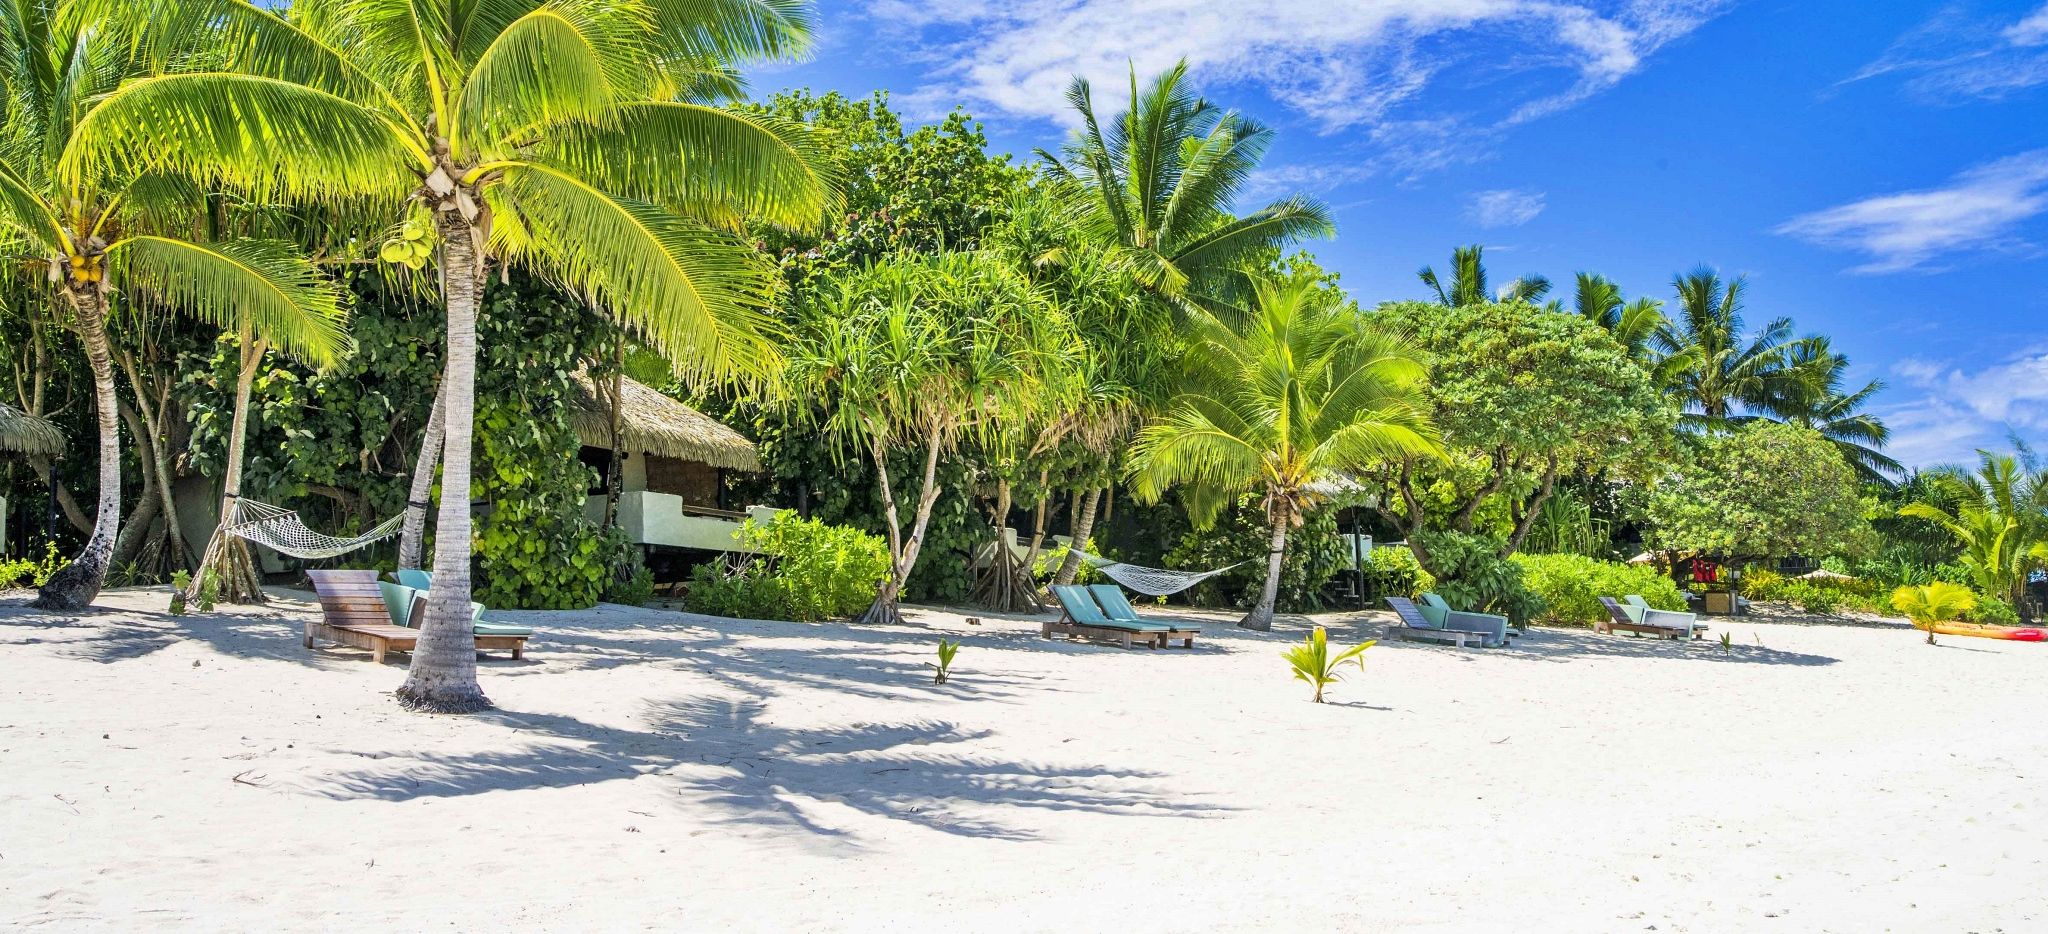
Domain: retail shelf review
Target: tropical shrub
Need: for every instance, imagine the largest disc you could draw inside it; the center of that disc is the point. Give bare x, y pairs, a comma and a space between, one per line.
1763, 490
1472, 575
1241, 536
947, 650
1312, 663
1394, 572
807, 571
1992, 611
1571, 586
31, 571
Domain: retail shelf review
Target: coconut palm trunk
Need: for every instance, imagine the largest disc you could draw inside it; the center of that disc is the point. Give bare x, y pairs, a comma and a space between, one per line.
442, 677
226, 555
414, 531
1261, 616
76, 584
1084, 526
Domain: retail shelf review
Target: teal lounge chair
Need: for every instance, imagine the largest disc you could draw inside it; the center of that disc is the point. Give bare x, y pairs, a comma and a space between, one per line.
1081, 617
1117, 607
1428, 623
1666, 619
1495, 627
415, 578
406, 603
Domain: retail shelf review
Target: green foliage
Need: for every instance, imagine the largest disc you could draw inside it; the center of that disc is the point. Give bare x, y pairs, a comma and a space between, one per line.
535, 547
1566, 525
1393, 572
1241, 536
1472, 575
807, 571
1571, 586
1992, 611
1764, 490
947, 650
635, 588
1934, 603
1999, 515
1313, 664
31, 571
180, 579
209, 589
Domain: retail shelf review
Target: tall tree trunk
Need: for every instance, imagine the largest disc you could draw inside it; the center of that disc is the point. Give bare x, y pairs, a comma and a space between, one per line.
1261, 616
1532, 509
65, 501
1084, 526
76, 584
228, 556
414, 531
442, 677
905, 549
614, 476
155, 453
1037, 531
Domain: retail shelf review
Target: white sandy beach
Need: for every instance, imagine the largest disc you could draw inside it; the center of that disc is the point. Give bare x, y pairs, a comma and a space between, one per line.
654, 770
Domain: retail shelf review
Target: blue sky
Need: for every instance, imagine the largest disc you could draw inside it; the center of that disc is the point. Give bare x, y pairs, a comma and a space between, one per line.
1879, 171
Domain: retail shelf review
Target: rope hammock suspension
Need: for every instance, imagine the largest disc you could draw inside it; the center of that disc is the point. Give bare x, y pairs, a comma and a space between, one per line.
1152, 582
281, 530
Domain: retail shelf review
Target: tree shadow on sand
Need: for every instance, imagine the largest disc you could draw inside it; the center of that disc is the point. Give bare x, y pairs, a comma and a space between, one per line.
720, 755
1544, 644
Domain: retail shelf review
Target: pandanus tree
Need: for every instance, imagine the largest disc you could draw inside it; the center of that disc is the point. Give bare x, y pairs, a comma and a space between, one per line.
572, 137
1999, 514
106, 235
1157, 185
918, 353
1297, 389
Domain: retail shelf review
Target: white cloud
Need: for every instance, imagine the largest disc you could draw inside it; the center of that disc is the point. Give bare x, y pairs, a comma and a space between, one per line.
1342, 63
1506, 207
1957, 55
1979, 209
1965, 407
2031, 31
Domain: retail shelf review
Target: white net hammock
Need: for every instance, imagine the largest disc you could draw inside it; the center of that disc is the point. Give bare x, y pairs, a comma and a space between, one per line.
1152, 582
280, 530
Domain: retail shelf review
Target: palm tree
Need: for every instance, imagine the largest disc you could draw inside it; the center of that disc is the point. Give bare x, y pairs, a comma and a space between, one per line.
570, 137
1293, 391
1812, 397
1929, 605
1159, 184
98, 231
1724, 370
1999, 514
1468, 282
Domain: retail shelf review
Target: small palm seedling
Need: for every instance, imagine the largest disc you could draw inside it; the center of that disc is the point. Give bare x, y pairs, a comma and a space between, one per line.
1932, 604
180, 579
1727, 641
1313, 664
947, 649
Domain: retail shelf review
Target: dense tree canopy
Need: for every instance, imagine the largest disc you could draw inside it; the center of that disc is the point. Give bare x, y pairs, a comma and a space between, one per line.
1765, 490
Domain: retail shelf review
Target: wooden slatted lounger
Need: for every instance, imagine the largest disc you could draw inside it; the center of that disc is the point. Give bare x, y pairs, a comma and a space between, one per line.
352, 613
1080, 617
1619, 618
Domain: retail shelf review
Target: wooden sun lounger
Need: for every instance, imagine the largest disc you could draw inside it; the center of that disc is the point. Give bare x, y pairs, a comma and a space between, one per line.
352, 613
1414, 626
1619, 619
1081, 618
1118, 608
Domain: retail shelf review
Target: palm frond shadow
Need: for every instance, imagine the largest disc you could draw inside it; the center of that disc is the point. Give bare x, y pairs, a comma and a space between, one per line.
719, 754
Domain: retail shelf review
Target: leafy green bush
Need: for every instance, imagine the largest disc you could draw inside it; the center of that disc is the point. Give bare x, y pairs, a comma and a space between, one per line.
1994, 611
1394, 572
807, 571
1811, 597
1473, 576
1242, 536
1571, 586
30, 572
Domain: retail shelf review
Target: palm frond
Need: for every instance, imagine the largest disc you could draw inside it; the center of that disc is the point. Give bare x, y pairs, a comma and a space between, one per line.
265, 286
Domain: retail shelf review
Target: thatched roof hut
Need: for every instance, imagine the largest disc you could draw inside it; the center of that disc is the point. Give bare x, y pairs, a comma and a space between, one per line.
22, 433
655, 424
